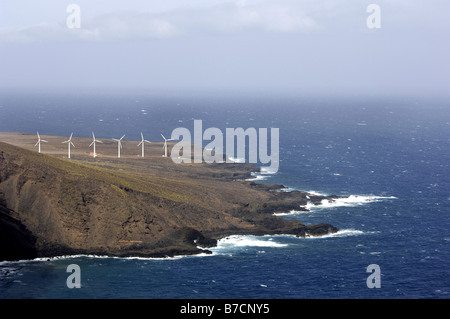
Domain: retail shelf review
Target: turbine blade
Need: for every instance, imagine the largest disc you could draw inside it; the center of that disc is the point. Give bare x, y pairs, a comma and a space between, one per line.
147, 141
99, 141
115, 139
122, 137
163, 137
142, 135
72, 144
91, 144
93, 135
140, 143
44, 141
70, 136
38, 135
36, 144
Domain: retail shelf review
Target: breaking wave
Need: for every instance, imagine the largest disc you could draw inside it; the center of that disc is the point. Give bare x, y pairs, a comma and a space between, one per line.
340, 233
257, 177
352, 200
247, 241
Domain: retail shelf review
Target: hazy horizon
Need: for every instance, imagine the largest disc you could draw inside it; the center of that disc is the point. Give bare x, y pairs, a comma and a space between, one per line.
300, 47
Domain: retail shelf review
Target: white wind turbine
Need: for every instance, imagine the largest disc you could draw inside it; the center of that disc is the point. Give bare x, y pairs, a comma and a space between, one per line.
142, 142
165, 145
119, 145
93, 143
39, 142
69, 141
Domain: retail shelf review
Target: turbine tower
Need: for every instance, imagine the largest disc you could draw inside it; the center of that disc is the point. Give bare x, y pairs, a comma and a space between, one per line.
69, 141
142, 142
39, 142
165, 145
93, 143
119, 145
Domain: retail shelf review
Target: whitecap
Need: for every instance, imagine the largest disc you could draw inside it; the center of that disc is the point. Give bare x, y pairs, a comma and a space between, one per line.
352, 200
316, 193
341, 233
63, 257
256, 177
292, 212
288, 189
239, 241
265, 170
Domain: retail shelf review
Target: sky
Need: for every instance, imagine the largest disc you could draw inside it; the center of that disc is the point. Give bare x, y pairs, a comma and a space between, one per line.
309, 47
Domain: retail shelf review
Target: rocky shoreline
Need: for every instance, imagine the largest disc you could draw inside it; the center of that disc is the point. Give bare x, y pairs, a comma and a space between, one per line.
51, 206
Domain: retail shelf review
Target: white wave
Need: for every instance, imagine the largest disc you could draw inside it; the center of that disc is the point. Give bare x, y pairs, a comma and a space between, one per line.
340, 233
265, 170
352, 200
234, 241
292, 212
294, 189
62, 257
288, 189
315, 193
256, 177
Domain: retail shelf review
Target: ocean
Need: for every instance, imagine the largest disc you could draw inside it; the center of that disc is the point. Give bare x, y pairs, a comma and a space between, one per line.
390, 155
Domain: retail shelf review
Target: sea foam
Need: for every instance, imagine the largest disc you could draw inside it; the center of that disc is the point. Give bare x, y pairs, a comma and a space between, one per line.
352, 200
247, 241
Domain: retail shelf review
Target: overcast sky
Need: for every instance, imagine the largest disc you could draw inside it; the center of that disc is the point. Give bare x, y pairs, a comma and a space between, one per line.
312, 46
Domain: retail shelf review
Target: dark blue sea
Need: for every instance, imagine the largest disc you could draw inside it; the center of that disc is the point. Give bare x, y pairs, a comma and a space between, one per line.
391, 155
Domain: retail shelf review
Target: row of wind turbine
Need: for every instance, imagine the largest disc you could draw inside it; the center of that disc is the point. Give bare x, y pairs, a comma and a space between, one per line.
94, 140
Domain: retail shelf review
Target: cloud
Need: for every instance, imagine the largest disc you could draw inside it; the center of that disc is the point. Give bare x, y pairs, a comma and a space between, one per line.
274, 17
220, 18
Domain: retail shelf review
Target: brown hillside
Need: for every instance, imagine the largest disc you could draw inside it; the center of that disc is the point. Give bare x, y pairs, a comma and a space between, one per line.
132, 206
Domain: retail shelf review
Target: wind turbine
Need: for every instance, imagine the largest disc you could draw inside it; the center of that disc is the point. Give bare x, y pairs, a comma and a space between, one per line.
39, 142
142, 142
93, 143
165, 145
119, 145
69, 141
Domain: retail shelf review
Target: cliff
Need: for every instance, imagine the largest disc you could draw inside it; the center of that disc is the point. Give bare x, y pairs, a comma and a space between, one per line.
152, 207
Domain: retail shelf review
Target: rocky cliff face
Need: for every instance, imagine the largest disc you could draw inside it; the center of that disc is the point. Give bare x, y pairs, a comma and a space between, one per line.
51, 206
